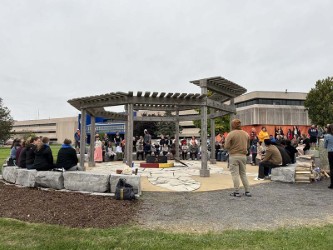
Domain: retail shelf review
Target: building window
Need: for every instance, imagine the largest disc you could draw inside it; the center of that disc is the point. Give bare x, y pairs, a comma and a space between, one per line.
270, 102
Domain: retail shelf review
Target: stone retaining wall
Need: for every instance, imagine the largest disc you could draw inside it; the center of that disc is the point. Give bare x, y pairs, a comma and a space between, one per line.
71, 180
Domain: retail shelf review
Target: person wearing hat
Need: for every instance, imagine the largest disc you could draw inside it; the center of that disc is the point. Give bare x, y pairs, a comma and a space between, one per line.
237, 142
272, 159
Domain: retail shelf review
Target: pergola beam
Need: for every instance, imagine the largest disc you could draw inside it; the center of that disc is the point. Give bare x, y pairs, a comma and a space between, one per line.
154, 101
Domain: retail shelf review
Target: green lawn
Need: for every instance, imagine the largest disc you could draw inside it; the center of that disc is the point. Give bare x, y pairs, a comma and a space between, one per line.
4, 154
20, 235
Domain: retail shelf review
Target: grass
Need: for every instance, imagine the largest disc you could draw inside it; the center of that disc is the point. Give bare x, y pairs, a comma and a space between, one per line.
5, 151
4, 154
21, 235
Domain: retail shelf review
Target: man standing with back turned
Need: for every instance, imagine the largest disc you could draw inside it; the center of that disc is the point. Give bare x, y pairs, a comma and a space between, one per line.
237, 143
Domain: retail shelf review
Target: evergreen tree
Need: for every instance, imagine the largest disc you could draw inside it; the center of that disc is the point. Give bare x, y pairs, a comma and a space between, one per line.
6, 122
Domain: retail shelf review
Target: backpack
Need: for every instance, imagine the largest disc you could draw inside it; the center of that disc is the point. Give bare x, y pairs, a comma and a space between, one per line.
285, 156
124, 191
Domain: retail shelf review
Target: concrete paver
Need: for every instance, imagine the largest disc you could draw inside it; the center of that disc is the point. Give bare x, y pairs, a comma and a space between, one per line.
180, 178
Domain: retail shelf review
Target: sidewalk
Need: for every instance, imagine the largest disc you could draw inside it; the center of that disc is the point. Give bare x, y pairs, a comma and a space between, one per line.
181, 178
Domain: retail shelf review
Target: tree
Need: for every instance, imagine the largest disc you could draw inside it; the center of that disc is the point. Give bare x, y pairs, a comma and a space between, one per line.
28, 134
6, 122
167, 128
319, 102
222, 124
139, 127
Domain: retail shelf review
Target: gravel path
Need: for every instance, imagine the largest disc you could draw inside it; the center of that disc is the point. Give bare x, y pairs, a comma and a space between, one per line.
273, 205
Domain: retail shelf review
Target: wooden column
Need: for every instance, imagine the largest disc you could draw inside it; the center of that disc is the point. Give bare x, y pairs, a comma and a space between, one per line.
212, 141
232, 115
92, 141
177, 136
83, 136
129, 135
204, 171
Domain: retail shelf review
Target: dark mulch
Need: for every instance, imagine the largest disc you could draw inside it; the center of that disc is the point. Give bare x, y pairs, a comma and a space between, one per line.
65, 208
273, 205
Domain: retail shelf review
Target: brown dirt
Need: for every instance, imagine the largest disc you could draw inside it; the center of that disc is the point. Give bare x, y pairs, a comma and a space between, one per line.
65, 208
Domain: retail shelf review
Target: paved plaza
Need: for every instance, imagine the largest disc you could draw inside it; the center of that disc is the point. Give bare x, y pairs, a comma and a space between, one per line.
180, 178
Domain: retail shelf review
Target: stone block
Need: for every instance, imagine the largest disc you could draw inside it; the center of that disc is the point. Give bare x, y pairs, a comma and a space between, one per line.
284, 174
89, 182
9, 174
26, 178
134, 180
50, 179
313, 152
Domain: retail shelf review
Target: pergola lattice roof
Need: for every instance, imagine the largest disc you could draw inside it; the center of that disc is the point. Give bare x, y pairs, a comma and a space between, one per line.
222, 91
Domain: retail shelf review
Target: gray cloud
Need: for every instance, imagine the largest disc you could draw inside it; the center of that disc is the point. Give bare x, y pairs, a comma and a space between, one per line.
55, 50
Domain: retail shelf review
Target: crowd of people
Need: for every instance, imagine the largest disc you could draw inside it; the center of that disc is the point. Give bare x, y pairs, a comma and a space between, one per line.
35, 153
112, 148
269, 151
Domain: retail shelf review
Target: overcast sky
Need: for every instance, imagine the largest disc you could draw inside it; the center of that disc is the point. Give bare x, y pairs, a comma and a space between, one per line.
55, 50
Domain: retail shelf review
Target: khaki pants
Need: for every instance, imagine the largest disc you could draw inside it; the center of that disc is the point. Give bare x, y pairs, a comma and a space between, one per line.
237, 165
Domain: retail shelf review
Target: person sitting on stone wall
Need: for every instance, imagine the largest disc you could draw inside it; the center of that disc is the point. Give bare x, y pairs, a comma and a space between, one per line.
272, 159
43, 156
291, 150
67, 158
30, 152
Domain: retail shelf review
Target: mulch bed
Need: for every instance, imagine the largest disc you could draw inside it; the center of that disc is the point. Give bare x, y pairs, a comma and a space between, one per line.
65, 208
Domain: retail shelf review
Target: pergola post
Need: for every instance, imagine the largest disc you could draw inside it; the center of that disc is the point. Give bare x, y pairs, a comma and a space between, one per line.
83, 137
92, 141
177, 136
129, 135
232, 115
204, 171
212, 142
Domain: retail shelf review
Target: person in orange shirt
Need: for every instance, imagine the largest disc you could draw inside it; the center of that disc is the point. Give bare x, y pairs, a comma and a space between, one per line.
263, 134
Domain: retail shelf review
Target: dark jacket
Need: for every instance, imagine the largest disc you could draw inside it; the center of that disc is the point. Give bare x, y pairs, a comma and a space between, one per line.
22, 158
43, 159
285, 156
30, 154
67, 157
291, 152
18, 152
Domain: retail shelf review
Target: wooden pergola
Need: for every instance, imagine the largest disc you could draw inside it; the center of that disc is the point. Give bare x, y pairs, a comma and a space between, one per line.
222, 90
